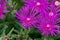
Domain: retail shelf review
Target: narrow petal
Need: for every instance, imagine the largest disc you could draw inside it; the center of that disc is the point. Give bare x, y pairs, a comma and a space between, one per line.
2, 16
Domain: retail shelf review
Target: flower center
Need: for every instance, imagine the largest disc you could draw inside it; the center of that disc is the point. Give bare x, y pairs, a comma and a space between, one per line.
57, 3
51, 14
48, 27
38, 3
28, 20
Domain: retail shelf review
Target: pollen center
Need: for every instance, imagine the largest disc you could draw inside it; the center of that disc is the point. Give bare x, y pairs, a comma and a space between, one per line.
38, 3
48, 26
57, 3
51, 14
28, 20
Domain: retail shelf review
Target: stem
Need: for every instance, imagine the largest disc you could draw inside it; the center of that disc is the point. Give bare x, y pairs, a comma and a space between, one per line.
10, 31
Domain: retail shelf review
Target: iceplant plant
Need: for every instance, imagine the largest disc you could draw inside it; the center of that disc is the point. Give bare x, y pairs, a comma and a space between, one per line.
27, 16
38, 4
3, 8
48, 23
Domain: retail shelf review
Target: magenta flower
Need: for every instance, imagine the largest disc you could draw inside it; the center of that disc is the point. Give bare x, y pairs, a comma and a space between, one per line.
48, 23
27, 16
39, 4
56, 3
49, 29
3, 8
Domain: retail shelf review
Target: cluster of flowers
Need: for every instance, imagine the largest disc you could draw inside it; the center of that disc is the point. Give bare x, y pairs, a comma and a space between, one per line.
41, 14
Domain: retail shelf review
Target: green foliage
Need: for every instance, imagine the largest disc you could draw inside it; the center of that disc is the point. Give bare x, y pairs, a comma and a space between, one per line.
11, 29
34, 33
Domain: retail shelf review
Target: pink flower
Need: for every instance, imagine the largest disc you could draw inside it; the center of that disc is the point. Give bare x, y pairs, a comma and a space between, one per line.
55, 3
38, 4
3, 9
48, 28
27, 16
